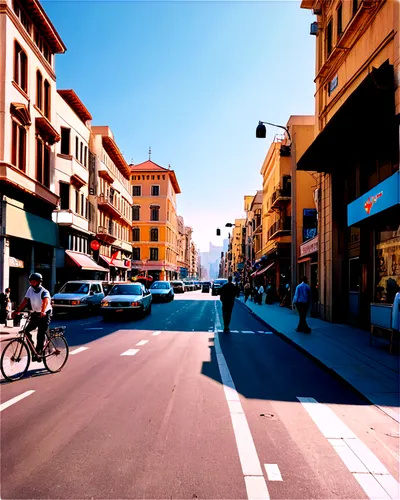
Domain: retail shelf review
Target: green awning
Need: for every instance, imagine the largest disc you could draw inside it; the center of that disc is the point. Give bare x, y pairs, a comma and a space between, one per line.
28, 226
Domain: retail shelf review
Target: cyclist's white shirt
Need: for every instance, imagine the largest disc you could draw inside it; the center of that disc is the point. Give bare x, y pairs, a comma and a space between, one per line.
36, 298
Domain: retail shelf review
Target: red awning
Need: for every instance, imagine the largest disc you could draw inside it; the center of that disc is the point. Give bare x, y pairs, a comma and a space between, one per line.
85, 262
264, 269
116, 262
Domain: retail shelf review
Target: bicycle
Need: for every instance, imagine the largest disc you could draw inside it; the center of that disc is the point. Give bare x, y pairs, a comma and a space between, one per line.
16, 356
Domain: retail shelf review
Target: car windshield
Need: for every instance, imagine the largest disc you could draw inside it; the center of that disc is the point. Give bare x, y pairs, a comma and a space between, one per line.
160, 286
126, 290
81, 288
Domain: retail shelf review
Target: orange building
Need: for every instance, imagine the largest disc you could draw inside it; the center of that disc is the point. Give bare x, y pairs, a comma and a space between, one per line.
155, 232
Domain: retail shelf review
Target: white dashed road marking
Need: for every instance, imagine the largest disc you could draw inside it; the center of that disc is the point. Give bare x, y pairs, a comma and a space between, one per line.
12, 401
247, 331
94, 328
80, 349
142, 342
130, 352
367, 469
157, 333
273, 472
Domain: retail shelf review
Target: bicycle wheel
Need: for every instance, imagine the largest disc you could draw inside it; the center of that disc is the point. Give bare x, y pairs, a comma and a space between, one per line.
56, 353
15, 360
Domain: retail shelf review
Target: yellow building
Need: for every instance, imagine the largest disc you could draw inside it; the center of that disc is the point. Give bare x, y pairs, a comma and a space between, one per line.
155, 232
356, 148
238, 245
282, 236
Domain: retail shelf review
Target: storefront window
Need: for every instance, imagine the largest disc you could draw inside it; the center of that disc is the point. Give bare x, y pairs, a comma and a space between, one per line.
387, 279
354, 275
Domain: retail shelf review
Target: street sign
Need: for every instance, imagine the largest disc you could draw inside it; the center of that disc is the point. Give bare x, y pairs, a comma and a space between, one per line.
95, 245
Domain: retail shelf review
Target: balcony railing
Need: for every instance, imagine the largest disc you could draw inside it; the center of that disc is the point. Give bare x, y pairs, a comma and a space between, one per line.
106, 234
107, 203
279, 227
279, 196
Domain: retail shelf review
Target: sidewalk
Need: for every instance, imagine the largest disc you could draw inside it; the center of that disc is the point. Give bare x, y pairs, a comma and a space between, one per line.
345, 350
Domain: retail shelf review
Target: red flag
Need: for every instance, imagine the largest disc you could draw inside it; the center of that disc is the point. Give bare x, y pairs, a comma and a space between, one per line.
113, 256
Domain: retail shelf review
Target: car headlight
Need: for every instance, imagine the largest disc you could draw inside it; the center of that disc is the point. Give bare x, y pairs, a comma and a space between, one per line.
135, 304
104, 304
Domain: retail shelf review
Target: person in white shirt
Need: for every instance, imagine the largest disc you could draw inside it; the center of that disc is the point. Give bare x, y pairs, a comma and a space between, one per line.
38, 300
260, 295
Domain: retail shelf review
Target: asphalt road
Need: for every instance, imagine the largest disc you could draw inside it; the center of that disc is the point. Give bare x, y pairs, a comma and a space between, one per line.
167, 407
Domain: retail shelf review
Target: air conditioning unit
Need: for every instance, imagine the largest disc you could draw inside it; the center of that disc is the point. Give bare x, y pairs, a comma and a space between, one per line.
314, 28
317, 10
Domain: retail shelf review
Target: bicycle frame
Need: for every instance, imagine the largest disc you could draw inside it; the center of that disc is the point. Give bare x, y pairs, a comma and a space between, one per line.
26, 338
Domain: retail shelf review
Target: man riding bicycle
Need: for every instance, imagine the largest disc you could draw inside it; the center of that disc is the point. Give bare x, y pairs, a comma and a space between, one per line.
38, 300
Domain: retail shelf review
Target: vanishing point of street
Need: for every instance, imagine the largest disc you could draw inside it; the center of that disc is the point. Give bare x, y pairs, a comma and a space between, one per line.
169, 407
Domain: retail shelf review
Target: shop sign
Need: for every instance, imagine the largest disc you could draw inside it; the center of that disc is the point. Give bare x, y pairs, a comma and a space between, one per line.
13, 262
333, 84
308, 247
381, 197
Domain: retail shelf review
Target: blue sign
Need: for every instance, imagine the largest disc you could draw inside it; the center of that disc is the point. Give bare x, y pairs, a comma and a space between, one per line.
183, 272
381, 197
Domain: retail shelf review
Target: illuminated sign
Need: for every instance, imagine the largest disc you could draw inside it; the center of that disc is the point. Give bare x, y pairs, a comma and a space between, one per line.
381, 197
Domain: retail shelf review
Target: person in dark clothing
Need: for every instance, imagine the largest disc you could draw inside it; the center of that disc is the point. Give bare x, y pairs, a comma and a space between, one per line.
302, 300
228, 293
4, 306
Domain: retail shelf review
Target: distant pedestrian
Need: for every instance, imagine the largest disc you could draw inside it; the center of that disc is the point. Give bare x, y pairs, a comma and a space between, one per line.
5, 306
247, 291
396, 313
260, 294
228, 293
302, 300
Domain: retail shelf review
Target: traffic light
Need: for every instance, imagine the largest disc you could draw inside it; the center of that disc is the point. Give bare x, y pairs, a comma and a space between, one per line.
218, 232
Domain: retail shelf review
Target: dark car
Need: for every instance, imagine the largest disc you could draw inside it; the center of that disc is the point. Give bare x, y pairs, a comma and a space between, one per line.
205, 287
162, 291
217, 285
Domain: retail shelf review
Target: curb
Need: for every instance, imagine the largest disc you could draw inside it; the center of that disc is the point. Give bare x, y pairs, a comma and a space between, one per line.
322, 365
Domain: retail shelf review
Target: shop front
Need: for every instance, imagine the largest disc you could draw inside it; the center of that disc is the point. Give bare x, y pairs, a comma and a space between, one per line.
118, 268
374, 271
308, 267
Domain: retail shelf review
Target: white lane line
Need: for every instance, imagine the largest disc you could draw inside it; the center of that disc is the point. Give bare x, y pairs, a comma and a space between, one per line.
234, 331
260, 331
78, 350
94, 328
256, 485
367, 469
156, 333
142, 342
247, 331
12, 401
273, 472
130, 352
268, 333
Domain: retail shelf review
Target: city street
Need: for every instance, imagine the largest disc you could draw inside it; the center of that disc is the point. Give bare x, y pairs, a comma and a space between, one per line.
168, 407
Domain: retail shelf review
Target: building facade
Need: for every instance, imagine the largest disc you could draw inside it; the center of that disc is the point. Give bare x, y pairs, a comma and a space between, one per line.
28, 134
356, 149
155, 231
110, 203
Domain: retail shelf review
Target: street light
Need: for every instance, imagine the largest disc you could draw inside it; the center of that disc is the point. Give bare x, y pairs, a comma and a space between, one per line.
288, 150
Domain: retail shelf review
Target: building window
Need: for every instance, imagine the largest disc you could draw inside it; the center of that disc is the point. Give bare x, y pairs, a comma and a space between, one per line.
355, 6
85, 158
339, 21
20, 67
64, 196
155, 213
18, 152
39, 89
136, 190
81, 153
65, 136
387, 279
153, 253
135, 234
46, 99
77, 202
155, 190
76, 147
329, 39
135, 253
42, 162
136, 212
154, 234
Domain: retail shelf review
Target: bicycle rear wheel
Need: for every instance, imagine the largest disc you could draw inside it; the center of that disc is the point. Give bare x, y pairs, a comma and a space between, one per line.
15, 360
56, 353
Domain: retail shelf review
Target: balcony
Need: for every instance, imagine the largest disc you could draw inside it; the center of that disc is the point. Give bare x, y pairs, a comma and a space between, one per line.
71, 167
279, 198
279, 228
69, 218
106, 234
107, 204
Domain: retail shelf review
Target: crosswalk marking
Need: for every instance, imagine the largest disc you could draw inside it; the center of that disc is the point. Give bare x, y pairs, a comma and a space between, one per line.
78, 350
142, 342
130, 352
156, 333
247, 331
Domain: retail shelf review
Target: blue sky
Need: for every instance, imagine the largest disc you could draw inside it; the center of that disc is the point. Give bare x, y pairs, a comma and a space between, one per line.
191, 80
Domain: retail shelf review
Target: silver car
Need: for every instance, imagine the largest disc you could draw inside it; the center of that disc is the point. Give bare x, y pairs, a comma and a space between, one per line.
162, 291
78, 296
126, 299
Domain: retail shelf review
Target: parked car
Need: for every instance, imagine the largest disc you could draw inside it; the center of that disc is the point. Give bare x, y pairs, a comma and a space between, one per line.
205, 287
162, 291
79, 296
217, 285
197, 285
178, 286
126, 299
189, 286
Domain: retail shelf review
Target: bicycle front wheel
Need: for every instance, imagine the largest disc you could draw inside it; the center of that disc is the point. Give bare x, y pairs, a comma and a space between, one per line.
15, 360
56, 353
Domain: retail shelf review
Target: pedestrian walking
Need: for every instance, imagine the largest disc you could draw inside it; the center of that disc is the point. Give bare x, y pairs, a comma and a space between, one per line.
228, 293
5, 306
302, 300
247, 291
260, 294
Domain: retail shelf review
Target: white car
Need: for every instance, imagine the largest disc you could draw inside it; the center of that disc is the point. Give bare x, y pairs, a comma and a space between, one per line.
126, 299
162, 291
79, 296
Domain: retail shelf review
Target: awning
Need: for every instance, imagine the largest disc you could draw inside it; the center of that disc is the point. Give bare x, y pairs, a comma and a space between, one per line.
116, 262
85, 262
262, 271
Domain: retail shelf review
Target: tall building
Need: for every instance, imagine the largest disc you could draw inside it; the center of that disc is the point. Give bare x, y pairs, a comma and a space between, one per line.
184, 242
155, 229
28, 134
356, 149
111, 203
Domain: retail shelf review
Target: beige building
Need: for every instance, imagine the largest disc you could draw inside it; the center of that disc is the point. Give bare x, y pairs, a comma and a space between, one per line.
110, 203
28, 134
238, 245
184, 246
